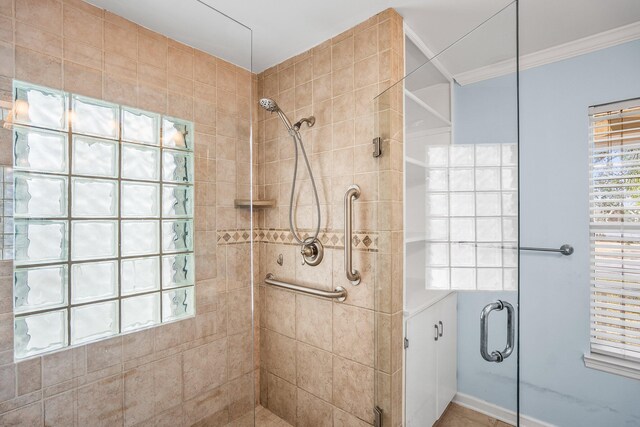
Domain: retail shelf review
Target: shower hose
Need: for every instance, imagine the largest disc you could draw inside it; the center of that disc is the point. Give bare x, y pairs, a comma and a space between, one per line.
297, 139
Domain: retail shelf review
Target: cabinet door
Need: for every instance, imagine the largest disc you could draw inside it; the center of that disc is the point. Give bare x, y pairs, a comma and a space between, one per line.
421, 368
447, 352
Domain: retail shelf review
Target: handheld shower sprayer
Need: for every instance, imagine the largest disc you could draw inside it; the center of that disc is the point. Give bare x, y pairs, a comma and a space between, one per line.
312, 250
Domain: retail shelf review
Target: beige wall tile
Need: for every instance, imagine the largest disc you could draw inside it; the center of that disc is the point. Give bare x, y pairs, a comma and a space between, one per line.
211, 407
281, 311
37, 68
366, 42
204, 368
280, 355
353, 388
344, 419
82, 80
342, 53
120, 90
312, 411
79, 25
6, 7
180, 62
7, 382
100, 403
30, 415
83, 54
313, 321
122, 40
282, 398
34, 38
204, 68
29, 375
59, 410
315, 371
6, 29
152, 49
46, 14
353, 333
63, 366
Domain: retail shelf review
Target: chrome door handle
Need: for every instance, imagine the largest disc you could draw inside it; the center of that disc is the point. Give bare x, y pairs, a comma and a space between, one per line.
496, 356
353, 192
441, 328
435, 337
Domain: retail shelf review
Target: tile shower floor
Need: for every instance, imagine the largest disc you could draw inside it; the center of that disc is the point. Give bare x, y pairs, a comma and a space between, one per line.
459, 416
266, 418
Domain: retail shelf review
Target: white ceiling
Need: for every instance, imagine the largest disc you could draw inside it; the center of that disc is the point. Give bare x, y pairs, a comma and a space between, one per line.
284, 28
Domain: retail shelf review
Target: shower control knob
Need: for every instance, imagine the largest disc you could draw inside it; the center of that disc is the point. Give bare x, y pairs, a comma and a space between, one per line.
312, 252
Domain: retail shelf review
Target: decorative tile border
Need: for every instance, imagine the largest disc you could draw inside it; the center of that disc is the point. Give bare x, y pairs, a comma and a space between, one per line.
362, 240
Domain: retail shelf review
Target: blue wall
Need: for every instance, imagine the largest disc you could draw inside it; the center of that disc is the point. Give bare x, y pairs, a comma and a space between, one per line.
554, 99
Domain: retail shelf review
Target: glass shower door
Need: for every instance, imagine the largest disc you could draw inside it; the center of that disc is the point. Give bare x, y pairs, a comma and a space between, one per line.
450, 125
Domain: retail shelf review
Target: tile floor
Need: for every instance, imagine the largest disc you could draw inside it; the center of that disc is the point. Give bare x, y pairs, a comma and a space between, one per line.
459, 416
266, 418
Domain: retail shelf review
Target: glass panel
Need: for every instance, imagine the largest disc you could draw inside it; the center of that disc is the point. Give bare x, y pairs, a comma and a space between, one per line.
38, 106
40, 241
94, 117
140, 200
140, 126
177, 166
177, 236
177, 201
177, 303
92, 281
39, 150
140, 162
94, 198
94, 321
177, 133
140, 275
140, 238
39, 333
96, 157
458, 133
140, 312
40, 288
94, 239
178, 270
40, 196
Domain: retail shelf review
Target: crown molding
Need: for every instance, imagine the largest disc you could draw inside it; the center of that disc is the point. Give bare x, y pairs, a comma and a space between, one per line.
568, 50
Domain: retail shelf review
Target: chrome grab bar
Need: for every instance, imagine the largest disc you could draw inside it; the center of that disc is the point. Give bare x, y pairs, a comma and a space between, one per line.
340, 293
496, 356
353, 192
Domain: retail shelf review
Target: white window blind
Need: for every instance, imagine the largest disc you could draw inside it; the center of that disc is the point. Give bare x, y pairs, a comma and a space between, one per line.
614, 193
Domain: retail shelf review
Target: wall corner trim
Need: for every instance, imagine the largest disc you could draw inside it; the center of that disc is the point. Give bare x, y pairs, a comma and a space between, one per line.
563, 51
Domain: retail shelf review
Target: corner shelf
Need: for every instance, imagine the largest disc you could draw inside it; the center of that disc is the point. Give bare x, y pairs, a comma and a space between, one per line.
257, 204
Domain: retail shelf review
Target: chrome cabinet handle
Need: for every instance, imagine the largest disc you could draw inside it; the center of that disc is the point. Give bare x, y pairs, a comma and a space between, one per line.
435, 337
496, 356
353, 192
441, 328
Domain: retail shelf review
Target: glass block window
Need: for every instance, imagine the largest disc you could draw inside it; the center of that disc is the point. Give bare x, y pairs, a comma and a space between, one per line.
472, 217
103, 219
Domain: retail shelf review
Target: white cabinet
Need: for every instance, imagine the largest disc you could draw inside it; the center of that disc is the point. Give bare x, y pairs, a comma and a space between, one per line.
431, 362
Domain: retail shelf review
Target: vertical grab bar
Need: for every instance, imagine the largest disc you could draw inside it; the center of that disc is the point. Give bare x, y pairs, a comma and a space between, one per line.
353, 192
496, 356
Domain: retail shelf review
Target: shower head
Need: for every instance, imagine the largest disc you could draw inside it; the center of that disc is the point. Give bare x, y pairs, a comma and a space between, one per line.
271, 106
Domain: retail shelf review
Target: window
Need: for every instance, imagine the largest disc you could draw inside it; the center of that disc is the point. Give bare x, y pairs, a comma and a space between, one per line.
472, 217
103, 219
615, 231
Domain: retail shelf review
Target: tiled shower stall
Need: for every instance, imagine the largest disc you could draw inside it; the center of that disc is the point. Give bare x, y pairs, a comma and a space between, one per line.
310, 361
